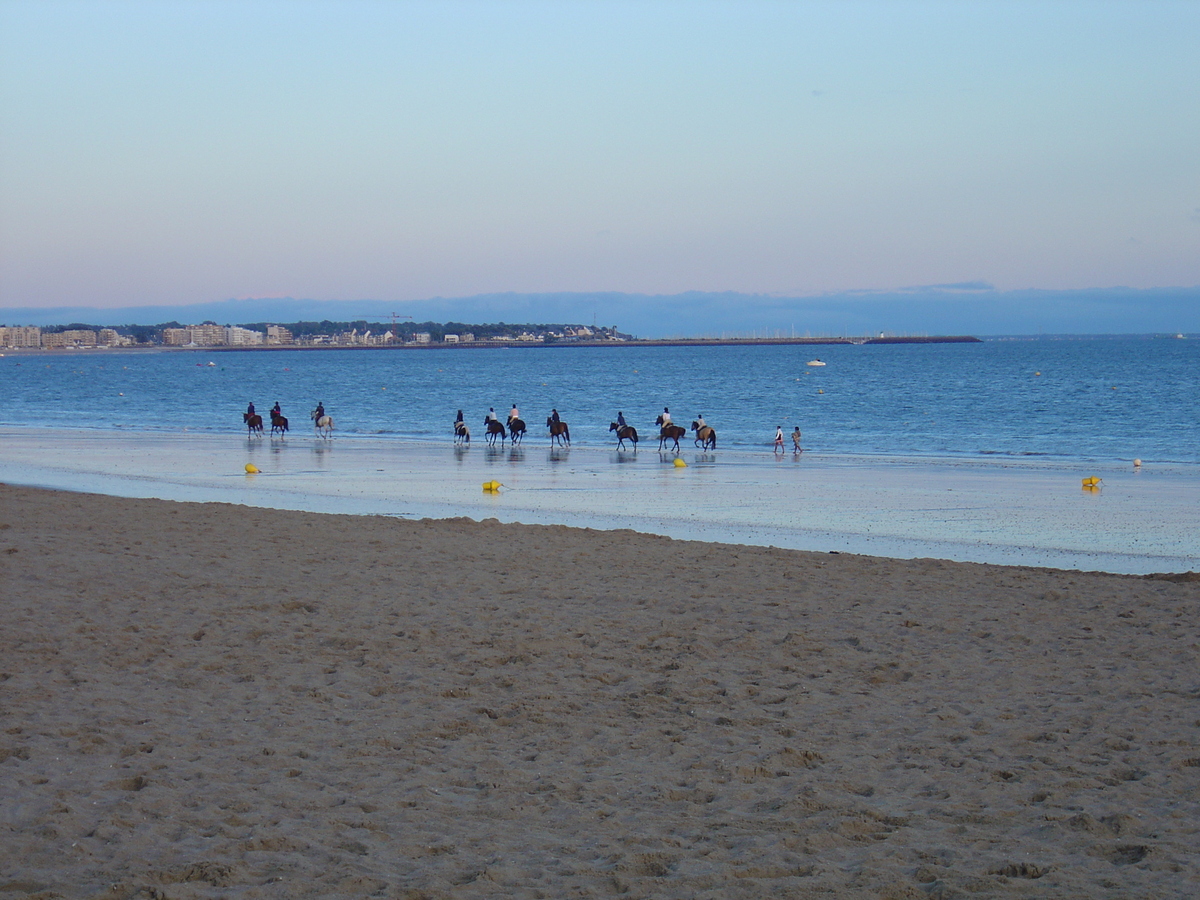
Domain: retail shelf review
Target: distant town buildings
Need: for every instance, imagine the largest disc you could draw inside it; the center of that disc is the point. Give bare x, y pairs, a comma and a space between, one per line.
209, 334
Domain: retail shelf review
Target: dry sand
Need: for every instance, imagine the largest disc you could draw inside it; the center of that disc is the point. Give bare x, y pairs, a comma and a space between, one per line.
207, 700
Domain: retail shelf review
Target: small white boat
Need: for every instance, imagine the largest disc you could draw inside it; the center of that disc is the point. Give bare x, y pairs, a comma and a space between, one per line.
814, 362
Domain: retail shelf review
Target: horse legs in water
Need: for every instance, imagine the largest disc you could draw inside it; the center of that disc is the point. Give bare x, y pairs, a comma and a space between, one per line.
322, 424
559, 433
494, 430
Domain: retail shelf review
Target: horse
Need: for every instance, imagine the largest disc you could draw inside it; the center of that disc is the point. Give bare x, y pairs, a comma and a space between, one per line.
706, 438
516, 430
322, 424
462, 434
671, 433
494, 430
279, 423
624, 432
253, 424
558, 431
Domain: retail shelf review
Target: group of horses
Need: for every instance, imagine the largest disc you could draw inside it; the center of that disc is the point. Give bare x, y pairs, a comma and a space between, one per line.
706, 436
515, 432
560, 433
322, 424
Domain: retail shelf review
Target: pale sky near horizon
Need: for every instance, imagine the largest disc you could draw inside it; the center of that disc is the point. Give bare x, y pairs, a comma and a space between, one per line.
161, 153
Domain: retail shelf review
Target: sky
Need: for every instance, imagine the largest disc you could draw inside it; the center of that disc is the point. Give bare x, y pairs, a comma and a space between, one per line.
172, 153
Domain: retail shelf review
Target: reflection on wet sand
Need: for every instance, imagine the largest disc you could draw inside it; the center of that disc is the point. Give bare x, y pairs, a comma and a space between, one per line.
1021, 513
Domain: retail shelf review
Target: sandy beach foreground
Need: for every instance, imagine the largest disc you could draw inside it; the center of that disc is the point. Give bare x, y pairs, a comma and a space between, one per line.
210, 700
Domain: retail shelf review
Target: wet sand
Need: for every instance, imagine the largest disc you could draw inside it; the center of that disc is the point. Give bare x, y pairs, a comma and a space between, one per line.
213, 700
1004, 511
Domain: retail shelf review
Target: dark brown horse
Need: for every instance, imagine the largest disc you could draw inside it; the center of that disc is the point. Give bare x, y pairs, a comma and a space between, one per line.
624, 433
494, 430
559, 432
253, 424
671, 433
516, 430
706, 438
279, 423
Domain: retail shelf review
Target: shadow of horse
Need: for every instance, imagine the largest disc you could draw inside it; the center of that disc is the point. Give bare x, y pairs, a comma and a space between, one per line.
706, 437
253, 424
279, 424
624, 433
494, 430
559, 432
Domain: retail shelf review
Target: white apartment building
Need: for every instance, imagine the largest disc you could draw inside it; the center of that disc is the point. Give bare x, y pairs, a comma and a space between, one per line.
277, 334
21, 336
236, 336
76, 337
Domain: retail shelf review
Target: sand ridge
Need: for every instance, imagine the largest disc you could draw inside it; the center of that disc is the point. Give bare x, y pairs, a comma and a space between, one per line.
208, 700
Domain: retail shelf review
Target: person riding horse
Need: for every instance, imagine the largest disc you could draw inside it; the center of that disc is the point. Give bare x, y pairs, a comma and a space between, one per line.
462, 434
494, 429
254, 423
671, 432
559, 432
624, 433
706, 437
516, 429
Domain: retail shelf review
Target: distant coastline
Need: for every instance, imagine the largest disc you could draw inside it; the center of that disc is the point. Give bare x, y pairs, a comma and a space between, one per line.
524, 345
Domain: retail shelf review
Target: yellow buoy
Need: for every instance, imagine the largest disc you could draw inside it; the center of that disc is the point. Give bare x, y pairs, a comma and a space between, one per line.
491, 487
679, 463
251, 468
1091, 482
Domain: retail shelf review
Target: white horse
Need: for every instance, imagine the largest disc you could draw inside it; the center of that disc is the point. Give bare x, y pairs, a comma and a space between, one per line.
323, 424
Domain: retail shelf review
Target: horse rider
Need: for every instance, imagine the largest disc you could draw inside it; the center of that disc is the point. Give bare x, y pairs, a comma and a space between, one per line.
320, 410
250, 410
700, 421
666, 417
554, 416
458, 420
276, 411
491, 415
621, 419
513, 413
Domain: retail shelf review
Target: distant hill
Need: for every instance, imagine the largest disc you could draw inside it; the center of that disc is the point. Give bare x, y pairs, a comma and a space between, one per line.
969, 308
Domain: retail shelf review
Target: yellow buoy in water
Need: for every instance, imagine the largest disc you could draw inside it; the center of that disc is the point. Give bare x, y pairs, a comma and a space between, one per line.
491, 487
1091, 482
679, 463
251, 468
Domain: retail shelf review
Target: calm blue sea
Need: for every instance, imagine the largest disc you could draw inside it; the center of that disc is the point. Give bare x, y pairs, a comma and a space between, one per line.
1089, 399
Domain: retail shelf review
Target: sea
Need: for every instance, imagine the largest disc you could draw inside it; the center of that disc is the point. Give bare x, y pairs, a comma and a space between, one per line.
1069, 453
1097, 399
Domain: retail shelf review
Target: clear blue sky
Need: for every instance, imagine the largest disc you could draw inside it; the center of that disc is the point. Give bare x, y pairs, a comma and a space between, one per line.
181, 152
